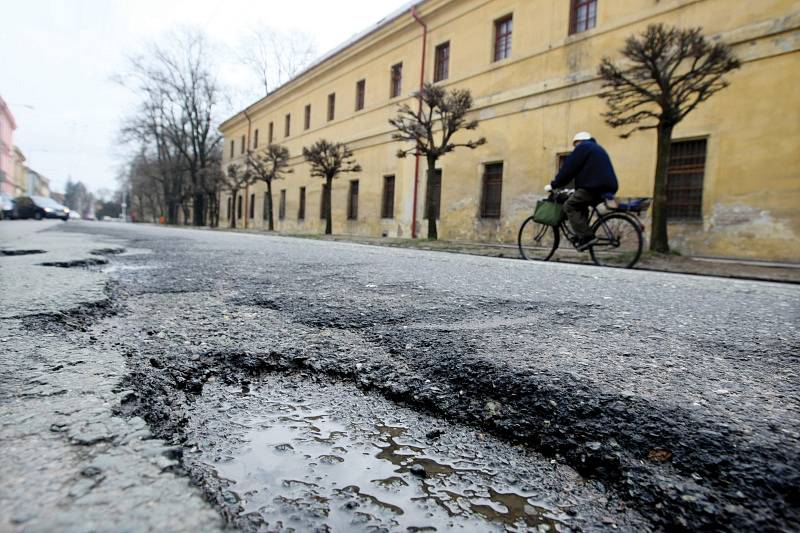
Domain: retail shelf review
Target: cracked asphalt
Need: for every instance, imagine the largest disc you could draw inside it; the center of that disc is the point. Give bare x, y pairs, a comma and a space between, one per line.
675, 397
69, 463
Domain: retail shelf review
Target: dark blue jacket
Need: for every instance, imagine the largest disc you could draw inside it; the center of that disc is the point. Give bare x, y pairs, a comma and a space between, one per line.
590, 167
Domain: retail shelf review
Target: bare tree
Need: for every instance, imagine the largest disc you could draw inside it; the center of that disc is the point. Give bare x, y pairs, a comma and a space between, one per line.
269, 165
328, 160
668, 73
430, 131
274, 57
176, 117
212, 179
236, 179
77, 197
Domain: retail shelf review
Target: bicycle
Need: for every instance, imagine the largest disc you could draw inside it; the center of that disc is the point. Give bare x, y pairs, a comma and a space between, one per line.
619, 232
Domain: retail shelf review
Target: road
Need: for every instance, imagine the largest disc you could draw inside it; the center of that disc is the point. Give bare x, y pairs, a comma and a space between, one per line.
503, 394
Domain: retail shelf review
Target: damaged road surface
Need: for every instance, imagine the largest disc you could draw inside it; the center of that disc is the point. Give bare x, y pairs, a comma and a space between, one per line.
317, 386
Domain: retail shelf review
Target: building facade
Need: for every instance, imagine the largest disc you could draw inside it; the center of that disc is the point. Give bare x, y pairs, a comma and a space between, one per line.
37, 184
531, 66
20, 173
7, 127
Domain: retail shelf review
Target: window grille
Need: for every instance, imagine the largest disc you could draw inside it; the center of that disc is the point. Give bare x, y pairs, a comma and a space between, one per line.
387, 203
685, 176
492, 190
502, 38
441, 66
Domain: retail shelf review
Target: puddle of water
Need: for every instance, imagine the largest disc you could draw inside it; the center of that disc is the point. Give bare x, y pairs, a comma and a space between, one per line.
323, 456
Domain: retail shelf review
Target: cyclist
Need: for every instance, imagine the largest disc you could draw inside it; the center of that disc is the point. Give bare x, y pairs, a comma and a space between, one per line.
591, 168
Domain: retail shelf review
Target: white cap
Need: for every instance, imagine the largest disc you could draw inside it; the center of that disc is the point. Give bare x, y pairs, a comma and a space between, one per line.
582, 136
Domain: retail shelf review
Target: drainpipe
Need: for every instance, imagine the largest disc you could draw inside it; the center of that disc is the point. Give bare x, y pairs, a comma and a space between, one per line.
419, 113
246, 213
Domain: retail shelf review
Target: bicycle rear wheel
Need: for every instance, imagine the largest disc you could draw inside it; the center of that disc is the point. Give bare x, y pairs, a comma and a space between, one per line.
537, 242
620, 241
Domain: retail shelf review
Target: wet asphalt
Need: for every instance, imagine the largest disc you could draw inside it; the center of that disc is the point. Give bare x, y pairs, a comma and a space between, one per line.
673, 398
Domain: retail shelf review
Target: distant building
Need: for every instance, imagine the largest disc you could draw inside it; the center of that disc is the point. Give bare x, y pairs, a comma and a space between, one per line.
20, 174
734, 183
38, 185
7, 127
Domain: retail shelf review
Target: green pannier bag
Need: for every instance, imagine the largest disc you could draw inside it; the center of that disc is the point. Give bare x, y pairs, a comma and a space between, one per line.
548, 213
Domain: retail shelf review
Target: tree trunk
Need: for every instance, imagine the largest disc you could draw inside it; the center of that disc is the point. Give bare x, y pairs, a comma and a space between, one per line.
233, 210
430, 212
199, 208
328, 207
186, 213
172, 212
271, 226
659, 239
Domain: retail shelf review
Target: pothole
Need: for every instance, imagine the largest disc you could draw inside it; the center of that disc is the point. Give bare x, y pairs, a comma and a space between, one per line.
108, 251
21, 252
76, 263
292, 453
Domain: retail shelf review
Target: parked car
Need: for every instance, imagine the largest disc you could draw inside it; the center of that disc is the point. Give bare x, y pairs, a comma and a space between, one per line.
39, 207
75, 215
6, 207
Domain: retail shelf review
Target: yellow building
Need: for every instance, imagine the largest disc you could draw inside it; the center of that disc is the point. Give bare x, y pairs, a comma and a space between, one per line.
532, 68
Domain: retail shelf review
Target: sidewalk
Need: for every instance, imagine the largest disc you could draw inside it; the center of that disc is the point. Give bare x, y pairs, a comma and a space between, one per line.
697, 266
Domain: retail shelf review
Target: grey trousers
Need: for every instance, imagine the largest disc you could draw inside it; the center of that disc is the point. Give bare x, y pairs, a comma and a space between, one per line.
577, 209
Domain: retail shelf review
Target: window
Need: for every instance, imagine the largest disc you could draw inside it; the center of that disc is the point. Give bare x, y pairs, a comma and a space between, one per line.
492, 190
307, 118
241, 146
441, 63
265, 211
251, 208
331, 106
361, 89
323, 205
233, 144
301, 211
387, 203
396, 84
583, 16
687, 162
352, 201
282, 206
287, 125
271, 135
255, 139
230, 208
433, 195
502, 37
239, 207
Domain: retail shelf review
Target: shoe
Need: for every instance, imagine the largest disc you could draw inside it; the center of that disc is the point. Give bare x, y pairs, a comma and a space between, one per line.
586, 243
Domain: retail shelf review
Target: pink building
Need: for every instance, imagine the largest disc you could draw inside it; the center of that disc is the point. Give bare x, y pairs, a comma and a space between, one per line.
7, 127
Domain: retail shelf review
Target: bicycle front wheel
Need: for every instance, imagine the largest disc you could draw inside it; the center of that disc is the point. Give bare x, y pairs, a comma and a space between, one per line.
620, 241
536, 241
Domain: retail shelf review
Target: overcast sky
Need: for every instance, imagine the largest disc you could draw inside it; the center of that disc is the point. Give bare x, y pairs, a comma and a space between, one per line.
57, 58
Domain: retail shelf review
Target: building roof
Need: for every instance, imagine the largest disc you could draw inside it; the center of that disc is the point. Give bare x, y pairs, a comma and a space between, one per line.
385, 21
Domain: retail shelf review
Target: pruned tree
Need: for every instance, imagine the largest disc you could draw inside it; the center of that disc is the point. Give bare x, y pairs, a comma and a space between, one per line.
269, 165
237, 178
430, 130
328, 160
667, 73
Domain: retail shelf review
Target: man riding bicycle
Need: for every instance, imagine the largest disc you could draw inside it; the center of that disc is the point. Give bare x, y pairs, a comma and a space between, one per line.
590, 166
